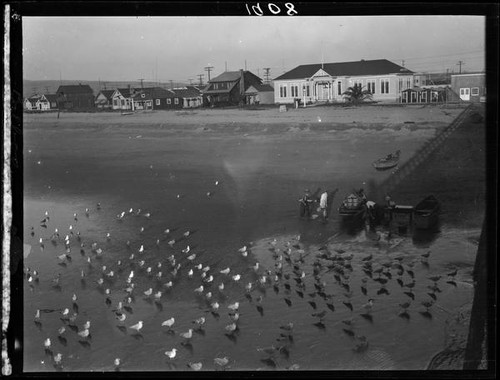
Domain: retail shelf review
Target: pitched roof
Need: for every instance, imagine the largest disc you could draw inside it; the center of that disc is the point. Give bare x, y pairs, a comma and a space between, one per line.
51, 97
220, 90
227, 76
75, 89
107, 93
154, 93
187, 92
263, 87
354, 68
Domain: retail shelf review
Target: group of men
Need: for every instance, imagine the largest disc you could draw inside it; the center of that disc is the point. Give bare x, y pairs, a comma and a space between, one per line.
324, 200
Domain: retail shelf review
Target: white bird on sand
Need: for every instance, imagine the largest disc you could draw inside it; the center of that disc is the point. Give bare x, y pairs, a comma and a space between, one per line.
186, 234
171, 242
216, 183
221, 286
65, 313
209, 278
206, 269
191, 257
121, 317
256, 267
148, 292
215, 306
187, 335
221, 362
37, 315
195, 366
231, 328
190, 273
141, 230
234, 316
157, 295
167, 231
117, 362
171, 354
86, 325
199, 322
141, 249
137, 327
186, 250
84, 333
47, 343
147, 215
199, 289
234, 306
236, 277
243, 249
248, 287
225, 271
108, 236
168, 285
61, 330
169, 322
208, 295
58, 359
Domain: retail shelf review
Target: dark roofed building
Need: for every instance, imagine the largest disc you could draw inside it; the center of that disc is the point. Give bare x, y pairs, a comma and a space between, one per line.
260, 94
104, 99
229, 88
327, 82
190, 96
154, 98
76, 97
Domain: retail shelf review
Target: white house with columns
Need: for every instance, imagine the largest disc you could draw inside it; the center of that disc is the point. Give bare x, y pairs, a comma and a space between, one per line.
328, 81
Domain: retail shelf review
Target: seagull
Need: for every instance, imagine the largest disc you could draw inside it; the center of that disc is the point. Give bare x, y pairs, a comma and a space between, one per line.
225, 271
141, 249
222, 362
195, 366
58, 359
243, 249
453, 273
199, 322
234, 306
169, 323
221, 286
368, 306
187, 335
137, 326
37, 315
231, 328
86, 325
121, 317
199, 289
148, 292
84, 333
47, 343
171, 354
186, 250
117, 363
236, 277
215, 306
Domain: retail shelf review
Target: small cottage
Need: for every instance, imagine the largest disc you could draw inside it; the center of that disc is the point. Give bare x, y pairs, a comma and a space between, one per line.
189, 97
259, 94
104, 99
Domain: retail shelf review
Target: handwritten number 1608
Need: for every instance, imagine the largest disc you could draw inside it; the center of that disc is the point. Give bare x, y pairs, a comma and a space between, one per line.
273, 8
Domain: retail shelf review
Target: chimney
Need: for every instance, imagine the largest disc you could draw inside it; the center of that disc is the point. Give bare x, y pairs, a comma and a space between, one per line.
242, 82
129, 90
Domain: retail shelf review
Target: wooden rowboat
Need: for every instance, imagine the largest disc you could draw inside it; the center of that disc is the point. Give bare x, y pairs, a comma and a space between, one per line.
387, 162
426, 213
351, 207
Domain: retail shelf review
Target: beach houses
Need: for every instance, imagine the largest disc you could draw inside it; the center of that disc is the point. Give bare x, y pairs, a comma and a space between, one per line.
76, 97
326, 82
259, 94
229, 88
104, 99
188, 97
44, 102
470, 87
156, 98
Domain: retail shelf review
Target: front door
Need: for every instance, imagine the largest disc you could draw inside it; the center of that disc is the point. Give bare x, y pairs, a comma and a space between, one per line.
465, 94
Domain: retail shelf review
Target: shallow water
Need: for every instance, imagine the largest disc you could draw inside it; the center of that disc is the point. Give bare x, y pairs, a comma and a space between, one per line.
254, 203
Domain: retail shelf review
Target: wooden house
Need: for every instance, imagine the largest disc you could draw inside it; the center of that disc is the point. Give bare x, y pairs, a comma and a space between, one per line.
427, 94
121, 99
30, 103
229, 88
189, 97
157, 98
259, 94
470, 87
104, 99
76, 97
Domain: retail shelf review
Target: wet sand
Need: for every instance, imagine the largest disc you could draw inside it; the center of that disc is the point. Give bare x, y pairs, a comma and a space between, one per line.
169, 168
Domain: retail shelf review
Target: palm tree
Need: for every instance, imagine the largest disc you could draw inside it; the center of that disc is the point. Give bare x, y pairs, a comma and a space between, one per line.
356, 94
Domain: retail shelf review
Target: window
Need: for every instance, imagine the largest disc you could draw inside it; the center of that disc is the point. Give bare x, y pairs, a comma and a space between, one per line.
408, 82
169, 101
474, 91
176, 100
413, 97
307, 90
384, 86
423, 97
295, 90
157, 102
283, 91
339, 87
370, 84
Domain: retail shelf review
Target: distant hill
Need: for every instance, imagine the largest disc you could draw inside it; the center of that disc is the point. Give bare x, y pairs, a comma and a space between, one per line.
31, 87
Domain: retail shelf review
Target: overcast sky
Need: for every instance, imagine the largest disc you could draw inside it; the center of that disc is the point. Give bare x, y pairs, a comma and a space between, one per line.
178, 48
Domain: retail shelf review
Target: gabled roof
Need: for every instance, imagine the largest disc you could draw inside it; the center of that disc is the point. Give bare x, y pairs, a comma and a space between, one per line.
262, 87
232, 76
154, 93
354, 68
107, 93
221, 90
187, 92
75, 89
51, 97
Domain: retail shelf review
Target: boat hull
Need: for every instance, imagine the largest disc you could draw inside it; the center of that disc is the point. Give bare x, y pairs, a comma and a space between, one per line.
426, 214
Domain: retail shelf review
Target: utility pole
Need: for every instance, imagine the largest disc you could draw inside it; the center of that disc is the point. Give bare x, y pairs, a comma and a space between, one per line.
266, 74
200, 77
225, 65
208, 69
460, 63
190, 81
245, 65
142, 80
171, 84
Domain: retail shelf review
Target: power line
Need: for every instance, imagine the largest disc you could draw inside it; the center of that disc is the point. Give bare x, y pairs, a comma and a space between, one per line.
208, 69
200, 77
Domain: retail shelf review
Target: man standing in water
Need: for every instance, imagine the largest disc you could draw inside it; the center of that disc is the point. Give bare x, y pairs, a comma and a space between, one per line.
325, 203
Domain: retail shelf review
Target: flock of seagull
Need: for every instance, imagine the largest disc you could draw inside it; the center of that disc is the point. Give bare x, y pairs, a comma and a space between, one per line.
289, 278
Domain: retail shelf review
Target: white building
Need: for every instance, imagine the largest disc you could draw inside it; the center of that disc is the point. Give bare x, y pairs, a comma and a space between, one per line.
327, 82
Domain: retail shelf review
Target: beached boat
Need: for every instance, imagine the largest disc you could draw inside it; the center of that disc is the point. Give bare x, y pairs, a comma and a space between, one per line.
426, 213
387, 162
351, 207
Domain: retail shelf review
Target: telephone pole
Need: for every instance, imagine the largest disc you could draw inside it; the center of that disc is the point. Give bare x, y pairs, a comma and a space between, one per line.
142, 80
266, 74
171, 84
460, 63
200, 77
190, 81
208, 69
